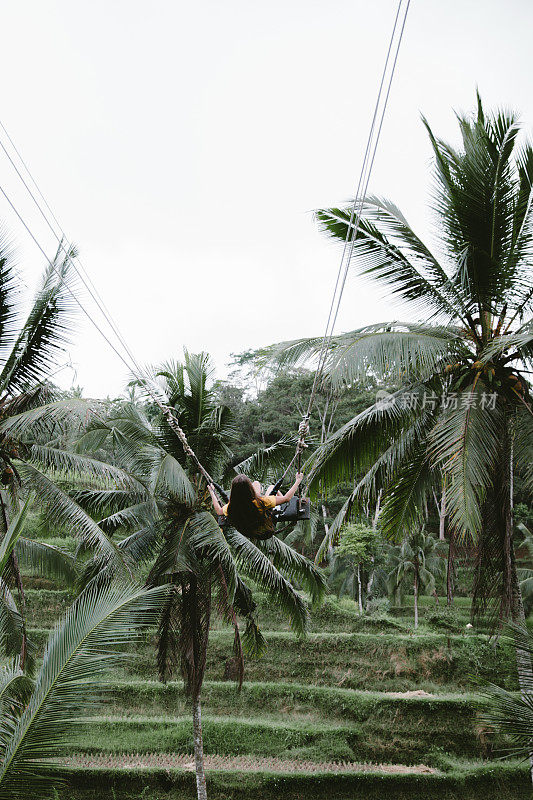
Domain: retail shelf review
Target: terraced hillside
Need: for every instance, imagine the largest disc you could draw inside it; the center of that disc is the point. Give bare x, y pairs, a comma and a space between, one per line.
360, 708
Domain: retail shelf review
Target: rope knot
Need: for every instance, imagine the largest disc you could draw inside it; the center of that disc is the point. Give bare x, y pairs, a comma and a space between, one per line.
303, 428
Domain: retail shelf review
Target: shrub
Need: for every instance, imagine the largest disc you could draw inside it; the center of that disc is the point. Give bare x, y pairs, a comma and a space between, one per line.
378, 606
444, 619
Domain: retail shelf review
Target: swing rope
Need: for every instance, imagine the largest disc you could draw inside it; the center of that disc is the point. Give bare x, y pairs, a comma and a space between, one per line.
129, 359
356, 212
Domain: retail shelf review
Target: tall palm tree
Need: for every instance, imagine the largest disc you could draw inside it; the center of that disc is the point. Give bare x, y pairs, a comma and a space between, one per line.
463, 414
416, 563
33, 420
170, 518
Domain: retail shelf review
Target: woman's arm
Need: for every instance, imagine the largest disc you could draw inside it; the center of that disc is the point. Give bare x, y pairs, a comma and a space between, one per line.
284, 498
216, 504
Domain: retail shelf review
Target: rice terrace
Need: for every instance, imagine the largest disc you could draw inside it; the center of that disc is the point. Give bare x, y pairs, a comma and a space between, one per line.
266, 446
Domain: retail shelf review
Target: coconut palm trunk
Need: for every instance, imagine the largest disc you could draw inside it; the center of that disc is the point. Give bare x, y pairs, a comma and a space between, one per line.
450, 568
415, 588
524, 667
201, 786
442, 513
359, 591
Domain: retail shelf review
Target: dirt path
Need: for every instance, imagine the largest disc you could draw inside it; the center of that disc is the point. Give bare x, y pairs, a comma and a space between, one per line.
242, 763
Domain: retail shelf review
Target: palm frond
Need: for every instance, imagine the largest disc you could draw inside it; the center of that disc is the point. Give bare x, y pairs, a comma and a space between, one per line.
476, 205
95, 633
403, 501
12, 632
465, 445
253, 641
66, 463
269, 460
9, 286
169, 476
208, 542
44, 420
389, 349
519, 343
130, 517
251, 561
141, 545
168, 657
523, 449
511, 713
405, 443
101, 502
47, 329
13, 533
401, 262
356, 446
297, 568
195, 615
226, 610
68, 515
45, 560
15, 688
176, 555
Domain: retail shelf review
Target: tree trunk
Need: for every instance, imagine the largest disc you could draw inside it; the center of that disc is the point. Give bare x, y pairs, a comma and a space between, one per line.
370, 578
523, 658
201, 787
450, 569
325, 516
326, 529
442, 514
360, 600
524, 668
376, 512
416, 597
372, 559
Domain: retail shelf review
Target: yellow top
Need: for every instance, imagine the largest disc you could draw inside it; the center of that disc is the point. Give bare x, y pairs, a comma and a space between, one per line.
267, 502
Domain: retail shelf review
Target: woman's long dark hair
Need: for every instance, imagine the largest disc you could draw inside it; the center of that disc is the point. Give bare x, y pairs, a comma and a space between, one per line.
247, 517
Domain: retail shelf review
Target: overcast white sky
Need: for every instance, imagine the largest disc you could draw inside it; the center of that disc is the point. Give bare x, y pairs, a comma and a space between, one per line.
184, 145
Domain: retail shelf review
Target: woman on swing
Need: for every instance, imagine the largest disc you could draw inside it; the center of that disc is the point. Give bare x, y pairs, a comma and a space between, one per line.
247, 510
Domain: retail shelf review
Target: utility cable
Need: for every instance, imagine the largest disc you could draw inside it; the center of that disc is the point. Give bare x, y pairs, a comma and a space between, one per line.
81, 272
356, 210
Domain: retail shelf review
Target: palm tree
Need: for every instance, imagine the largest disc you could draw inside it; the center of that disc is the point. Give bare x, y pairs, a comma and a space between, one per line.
510, 713
207, 568
463, 414
38, 717
33, 421
525, 571
415, 562
50, 561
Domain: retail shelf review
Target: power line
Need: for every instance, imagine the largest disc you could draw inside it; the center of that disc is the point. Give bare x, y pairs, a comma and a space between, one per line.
61, 277
363, 194
82, 272
359, 198
147, 383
